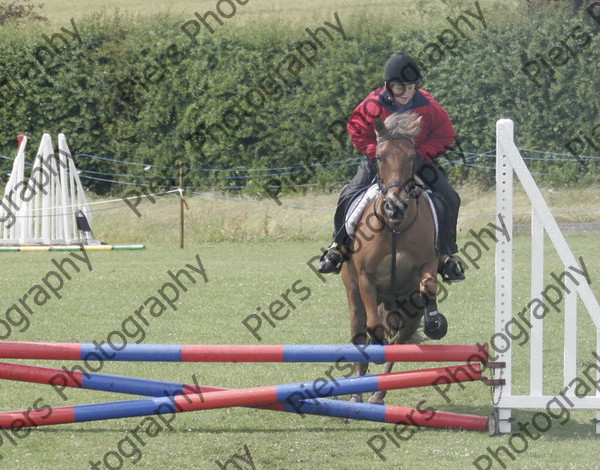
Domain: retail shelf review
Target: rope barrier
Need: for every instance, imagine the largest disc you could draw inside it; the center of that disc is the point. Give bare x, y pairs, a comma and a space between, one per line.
278, 172
248, 173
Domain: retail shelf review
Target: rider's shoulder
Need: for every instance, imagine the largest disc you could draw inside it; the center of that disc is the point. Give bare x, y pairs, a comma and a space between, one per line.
375, 94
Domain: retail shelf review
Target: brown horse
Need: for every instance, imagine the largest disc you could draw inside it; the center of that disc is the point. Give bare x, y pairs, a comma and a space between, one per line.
390, 278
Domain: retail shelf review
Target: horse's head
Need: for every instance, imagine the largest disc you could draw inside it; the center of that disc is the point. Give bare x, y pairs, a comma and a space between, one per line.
395, 162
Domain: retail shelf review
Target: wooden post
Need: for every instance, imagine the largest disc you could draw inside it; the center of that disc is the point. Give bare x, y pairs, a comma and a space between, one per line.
181, 220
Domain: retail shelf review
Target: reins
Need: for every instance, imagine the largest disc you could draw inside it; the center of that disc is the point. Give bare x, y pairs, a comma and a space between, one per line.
395, 234
410, 187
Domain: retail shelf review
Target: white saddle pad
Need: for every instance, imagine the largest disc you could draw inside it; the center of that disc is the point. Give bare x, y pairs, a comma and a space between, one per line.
358, 206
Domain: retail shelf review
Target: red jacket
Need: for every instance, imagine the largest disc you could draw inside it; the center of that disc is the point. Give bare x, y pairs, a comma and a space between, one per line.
436, 135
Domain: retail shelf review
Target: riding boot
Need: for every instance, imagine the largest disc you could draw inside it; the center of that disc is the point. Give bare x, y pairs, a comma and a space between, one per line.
339, 249
450, 266
331, 261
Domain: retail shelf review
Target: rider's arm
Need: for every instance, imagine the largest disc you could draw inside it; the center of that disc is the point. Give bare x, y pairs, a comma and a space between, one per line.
361, 125
437, 132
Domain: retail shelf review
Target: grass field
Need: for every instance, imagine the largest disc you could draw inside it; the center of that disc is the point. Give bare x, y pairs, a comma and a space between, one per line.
252, 254
286, 12
302, 217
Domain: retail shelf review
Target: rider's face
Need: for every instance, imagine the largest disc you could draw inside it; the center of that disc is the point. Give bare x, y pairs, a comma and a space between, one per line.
402, 94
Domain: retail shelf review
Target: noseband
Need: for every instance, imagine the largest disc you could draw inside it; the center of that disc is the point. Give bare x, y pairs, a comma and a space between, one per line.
397, 184
409, 187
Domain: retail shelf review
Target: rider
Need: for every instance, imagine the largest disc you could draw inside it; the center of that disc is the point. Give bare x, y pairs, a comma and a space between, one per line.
401, 94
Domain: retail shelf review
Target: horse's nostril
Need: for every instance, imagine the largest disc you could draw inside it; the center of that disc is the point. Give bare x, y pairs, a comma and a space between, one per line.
395, 209
390, 209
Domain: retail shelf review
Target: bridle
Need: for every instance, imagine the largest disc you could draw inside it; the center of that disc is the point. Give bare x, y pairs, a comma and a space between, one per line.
411, 189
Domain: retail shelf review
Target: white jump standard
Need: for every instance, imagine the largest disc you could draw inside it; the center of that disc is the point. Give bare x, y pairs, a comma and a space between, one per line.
509, 160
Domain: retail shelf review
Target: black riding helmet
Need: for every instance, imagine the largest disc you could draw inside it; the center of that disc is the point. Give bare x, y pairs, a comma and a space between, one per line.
401, 69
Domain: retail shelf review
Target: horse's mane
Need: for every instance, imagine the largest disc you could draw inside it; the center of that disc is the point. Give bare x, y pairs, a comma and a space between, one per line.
396, 126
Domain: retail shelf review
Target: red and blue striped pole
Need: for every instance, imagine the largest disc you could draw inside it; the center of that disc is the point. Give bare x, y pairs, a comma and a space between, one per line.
60, 379
244, 353
292, 396
325, 407
393, 414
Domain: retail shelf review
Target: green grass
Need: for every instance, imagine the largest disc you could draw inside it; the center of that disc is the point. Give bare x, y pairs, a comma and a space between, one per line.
252, 254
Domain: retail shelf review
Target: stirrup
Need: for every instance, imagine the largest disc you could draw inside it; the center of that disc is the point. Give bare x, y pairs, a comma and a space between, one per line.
451, 269
332, 260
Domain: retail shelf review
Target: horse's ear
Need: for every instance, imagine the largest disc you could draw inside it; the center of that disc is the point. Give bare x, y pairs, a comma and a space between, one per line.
379, 126
415, 127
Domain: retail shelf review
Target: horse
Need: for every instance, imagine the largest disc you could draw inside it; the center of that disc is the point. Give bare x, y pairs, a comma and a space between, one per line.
391, 274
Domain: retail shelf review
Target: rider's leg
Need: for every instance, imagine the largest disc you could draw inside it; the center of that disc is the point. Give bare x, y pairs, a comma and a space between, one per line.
450, 267
332, 259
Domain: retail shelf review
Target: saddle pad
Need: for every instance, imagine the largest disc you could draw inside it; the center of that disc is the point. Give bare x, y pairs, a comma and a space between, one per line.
357, 207
437, 214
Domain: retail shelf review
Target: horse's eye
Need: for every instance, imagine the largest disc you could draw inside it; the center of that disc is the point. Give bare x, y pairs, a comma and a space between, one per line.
378, 157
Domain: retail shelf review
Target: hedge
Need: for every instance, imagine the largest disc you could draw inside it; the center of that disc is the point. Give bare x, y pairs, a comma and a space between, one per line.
139, 90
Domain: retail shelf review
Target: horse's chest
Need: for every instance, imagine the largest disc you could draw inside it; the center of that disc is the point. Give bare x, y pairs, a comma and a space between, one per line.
407, 272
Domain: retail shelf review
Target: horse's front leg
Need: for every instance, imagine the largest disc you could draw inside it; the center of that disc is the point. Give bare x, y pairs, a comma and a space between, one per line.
368, 293
405, 322
357, 320
436, 325
377, 397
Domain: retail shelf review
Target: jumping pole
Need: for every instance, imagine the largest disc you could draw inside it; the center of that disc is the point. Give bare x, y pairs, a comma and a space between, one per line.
291, 395
244, 353
59, 380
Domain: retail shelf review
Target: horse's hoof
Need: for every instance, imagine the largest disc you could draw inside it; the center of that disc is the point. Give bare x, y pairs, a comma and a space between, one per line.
436, 327
376, 336
377, 398
374, 400
356, 398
